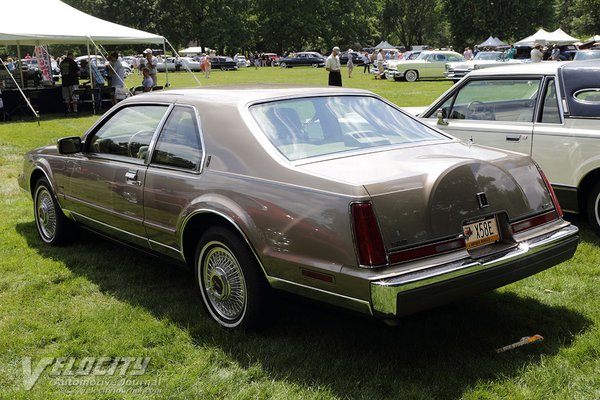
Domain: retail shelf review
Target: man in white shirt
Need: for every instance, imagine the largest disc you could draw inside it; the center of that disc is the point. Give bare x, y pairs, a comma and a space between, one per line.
536, 54
332, 64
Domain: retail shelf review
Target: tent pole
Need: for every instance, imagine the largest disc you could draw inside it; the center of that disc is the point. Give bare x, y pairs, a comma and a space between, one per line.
92, 78
20, 64
165, 58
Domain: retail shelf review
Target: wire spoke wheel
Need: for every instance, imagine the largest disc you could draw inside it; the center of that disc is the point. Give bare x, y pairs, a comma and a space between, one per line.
45, 214
223, 282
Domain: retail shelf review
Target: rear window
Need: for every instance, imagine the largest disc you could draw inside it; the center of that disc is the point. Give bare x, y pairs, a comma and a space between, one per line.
319, 126
589, 96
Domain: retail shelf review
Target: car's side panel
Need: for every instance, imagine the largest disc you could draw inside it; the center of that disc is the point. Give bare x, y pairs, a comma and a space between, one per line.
109, 192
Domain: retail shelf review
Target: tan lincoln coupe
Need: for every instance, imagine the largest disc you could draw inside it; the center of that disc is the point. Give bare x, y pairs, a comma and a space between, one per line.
332, 194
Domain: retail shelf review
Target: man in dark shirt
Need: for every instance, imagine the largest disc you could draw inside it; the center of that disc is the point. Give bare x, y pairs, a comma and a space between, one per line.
69, 71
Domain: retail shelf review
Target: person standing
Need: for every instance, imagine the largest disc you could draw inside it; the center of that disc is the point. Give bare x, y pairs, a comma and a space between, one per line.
380, 70
367, 62
468, 54
350, 63
150, 62
332, 64
510, 55
116, 75
536, 54
206, 66
69, 72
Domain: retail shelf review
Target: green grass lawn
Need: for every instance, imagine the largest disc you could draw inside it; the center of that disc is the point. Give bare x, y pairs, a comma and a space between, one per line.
95, 299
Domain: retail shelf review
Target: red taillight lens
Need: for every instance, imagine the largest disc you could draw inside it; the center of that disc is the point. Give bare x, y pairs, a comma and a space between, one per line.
369, 242
552, 194
532, 222
429, 250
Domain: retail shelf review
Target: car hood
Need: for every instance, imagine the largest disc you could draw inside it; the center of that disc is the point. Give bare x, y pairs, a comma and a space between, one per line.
426, 193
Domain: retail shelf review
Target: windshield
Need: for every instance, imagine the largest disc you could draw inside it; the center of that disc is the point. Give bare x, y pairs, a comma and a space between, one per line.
587, 55
318, 126
488, 56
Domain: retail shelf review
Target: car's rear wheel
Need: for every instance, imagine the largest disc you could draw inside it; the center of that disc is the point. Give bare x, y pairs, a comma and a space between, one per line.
593, 208
51, 223
234, 291
411, 75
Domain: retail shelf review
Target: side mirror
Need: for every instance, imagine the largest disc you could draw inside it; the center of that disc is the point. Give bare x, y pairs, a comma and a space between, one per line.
69, 145
440, 116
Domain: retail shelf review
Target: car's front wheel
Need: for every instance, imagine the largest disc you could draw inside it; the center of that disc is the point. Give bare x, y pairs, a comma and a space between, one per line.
411, 76
233, 288
593, 208
283, 65
51, 223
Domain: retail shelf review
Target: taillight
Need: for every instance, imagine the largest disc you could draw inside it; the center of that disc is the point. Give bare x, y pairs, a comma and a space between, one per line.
369, 242
532, 222
429, 250
552, 194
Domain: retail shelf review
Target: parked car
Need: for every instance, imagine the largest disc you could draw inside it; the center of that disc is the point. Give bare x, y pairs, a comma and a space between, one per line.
587, 55
548, 110
33, 66
567, 52
170, 63
357, 58
241, 61
429, 64
272, 59
332, 194
484, 59
101, 64
223, 63
303, 58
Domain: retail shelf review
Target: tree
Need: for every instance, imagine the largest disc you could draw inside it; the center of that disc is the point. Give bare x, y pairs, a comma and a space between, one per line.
413, 22
472, 22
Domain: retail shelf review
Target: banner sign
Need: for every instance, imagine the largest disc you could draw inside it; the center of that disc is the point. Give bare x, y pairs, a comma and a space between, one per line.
43, 58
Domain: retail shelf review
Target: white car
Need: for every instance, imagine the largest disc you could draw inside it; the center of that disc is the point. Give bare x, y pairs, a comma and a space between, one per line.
484, 59
188, 62
429, 64
549, 110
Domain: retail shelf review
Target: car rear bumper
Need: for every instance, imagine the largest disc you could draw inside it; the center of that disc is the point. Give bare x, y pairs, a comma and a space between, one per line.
409, 293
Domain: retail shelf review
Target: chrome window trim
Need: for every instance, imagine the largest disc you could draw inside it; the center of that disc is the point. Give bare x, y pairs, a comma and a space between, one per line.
94, 129
244, 110
595, 102
156, 138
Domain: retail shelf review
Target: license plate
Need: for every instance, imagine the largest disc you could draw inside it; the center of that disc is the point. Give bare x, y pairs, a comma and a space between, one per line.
481, 233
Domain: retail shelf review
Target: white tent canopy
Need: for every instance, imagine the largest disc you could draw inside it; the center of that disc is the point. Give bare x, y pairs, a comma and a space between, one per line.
384, 45
543, 37
492, 42
34, 22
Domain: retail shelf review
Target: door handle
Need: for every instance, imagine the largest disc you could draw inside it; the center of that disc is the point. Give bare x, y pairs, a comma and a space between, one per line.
131, 177
513, 138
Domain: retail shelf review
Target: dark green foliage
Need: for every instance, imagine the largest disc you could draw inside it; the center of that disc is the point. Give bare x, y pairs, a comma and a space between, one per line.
232, 26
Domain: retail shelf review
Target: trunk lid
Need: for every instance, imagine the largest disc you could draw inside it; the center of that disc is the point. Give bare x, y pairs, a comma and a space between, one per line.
427, 193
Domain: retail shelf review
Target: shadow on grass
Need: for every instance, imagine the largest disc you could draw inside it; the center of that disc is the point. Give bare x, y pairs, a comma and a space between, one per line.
436, 354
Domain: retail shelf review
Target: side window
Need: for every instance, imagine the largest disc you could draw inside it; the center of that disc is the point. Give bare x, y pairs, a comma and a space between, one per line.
179, 143
550, 111
494, 100
129, 132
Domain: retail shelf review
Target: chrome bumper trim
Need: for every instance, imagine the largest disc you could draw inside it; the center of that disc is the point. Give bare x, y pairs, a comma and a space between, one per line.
384, 293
